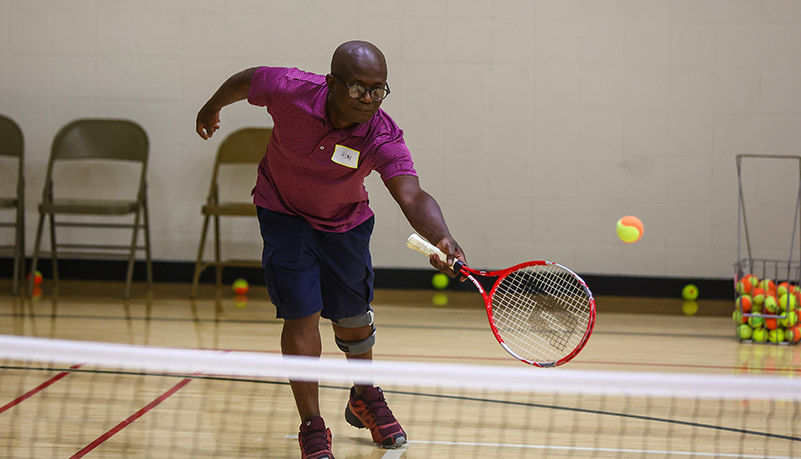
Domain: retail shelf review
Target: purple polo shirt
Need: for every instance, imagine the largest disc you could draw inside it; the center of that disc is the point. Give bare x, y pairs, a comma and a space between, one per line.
312, 169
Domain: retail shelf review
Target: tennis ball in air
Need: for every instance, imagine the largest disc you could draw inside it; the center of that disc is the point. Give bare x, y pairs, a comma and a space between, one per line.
241, 286
760, 335
744, 331
629, 229
689, 292
440, 281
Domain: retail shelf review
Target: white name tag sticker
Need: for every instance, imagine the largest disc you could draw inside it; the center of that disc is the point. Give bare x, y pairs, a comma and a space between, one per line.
345, 156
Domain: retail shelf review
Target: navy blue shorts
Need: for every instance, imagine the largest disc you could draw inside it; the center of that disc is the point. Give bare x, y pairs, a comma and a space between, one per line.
308, 270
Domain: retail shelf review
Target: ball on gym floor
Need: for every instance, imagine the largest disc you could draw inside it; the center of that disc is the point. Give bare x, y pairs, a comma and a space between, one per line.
37, 278
241, 286
440, 299
629, 229
689, 292
440, 281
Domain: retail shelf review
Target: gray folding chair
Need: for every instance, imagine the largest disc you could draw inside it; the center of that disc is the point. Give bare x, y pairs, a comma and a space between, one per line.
244, 146
105, 144
12, 148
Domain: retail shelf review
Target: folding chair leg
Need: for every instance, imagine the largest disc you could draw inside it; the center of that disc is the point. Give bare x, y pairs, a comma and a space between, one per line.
199, 260
19, 255
35, 256
132, 255
148, 259
53, 250
218, 265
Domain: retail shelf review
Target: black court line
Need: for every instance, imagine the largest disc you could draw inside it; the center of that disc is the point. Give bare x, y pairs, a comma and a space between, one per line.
433, 396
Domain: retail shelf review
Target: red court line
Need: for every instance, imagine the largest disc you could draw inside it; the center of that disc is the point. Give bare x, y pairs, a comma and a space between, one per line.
86, 449
36, 390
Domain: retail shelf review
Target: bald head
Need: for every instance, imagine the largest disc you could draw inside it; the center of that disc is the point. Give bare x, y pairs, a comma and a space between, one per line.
359, 57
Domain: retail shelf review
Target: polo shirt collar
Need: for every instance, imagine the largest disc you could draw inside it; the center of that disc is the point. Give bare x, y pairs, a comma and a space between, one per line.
359, 130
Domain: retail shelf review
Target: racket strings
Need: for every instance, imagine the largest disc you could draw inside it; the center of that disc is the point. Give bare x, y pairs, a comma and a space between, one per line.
541, 311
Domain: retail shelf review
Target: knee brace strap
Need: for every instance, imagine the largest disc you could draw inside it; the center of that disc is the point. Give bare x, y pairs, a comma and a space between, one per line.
356, 322
357, 347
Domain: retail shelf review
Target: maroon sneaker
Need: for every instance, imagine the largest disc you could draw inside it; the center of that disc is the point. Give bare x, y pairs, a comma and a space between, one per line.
315, 440
370, 410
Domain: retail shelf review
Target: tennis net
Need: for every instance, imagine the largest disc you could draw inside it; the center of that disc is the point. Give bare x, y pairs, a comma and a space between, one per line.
74, 399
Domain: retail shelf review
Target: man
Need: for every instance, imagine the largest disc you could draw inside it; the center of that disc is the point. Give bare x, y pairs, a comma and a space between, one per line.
329, 134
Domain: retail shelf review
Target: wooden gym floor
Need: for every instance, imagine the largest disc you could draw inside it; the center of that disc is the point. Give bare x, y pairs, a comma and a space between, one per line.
101, 415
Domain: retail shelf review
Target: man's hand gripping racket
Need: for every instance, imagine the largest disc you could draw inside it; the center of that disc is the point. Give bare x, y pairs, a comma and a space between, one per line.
540, 312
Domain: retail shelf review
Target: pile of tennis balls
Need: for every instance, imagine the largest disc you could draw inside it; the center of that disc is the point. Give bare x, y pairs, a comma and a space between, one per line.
766, 311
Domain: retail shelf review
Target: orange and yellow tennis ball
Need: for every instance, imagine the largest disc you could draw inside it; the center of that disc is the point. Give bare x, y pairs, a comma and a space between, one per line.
744, 303
241, 286
37, 278
629, 229
746, 283
783, 288
758, 295
793, 335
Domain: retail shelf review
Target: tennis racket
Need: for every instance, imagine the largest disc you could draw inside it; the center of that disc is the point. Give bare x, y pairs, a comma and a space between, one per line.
540, 312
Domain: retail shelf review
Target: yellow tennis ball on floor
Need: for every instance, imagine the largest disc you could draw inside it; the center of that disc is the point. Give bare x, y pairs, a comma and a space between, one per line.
440, 299
689, 292
689, 308
440, 281
629, 229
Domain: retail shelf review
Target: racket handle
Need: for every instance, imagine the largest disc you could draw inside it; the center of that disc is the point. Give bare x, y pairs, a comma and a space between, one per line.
415, 242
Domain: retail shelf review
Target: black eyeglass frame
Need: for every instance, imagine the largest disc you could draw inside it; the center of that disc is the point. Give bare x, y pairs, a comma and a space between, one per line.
360, 90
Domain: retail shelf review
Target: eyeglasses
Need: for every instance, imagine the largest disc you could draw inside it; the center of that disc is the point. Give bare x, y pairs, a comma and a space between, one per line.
357, 91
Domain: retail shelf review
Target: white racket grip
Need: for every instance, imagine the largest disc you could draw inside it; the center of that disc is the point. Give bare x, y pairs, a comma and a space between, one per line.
419, 244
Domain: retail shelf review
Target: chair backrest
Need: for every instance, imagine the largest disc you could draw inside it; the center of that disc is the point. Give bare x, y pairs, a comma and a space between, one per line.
101, 139
247, 145
11, 135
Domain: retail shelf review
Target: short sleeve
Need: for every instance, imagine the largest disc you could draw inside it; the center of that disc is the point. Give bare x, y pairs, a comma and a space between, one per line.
393, 159
264, 85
